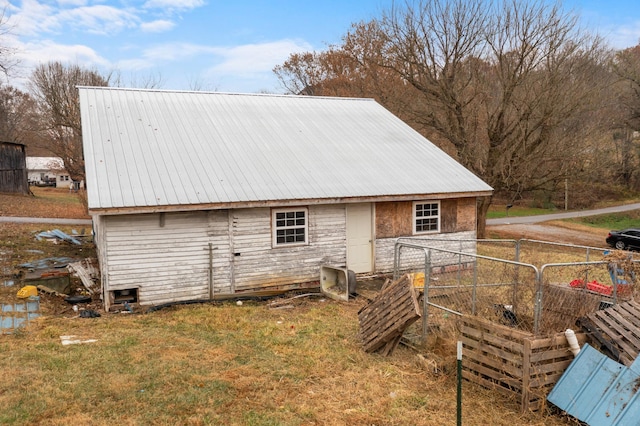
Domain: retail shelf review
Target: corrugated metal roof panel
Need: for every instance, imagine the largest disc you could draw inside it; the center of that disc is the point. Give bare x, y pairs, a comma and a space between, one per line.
599, 391
146, 148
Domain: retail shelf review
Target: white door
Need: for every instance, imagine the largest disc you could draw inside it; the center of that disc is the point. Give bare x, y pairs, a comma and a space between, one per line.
360, 237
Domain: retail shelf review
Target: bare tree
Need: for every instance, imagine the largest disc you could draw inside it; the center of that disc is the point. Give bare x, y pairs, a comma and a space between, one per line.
626, 124
7, 53
510, 88
15, 111
54, 87
506, 82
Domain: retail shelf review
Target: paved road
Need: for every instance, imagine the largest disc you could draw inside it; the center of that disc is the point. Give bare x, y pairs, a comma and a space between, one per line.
563, 215
53, 221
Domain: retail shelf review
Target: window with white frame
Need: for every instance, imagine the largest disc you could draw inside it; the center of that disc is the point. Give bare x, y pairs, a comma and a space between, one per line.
426, 217
289, 226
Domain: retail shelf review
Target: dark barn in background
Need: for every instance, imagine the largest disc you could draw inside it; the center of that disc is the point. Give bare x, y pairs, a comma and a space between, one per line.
13, 168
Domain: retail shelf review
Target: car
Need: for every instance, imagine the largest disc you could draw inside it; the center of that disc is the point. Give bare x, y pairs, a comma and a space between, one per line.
627, 239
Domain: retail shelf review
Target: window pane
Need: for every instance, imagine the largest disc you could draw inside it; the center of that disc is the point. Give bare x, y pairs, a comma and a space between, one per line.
290, 227
426, 217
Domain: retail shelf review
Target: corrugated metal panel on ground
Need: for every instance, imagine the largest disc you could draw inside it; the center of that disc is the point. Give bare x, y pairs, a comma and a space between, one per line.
599, 391
146, 148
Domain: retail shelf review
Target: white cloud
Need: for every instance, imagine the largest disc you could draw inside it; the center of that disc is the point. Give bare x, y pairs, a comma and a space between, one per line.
257, 57
157, 26
237, 59
176, 51
100, 19
35, 18
244, 68
44, 51
74, 3
625, 36
173, 4
33, 54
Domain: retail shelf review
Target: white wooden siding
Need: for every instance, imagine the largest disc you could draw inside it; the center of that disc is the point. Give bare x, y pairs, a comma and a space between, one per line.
218, 236
171, 263
166, 263
257, 265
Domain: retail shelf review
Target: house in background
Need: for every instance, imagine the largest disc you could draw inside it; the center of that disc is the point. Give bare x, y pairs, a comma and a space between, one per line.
13, 169
45, 171
198, 195
49, 171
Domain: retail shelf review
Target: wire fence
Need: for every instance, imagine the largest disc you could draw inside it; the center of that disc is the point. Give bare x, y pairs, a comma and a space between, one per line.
498, 280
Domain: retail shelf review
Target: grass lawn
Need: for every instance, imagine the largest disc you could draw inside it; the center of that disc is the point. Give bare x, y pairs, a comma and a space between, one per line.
45, 202
225, 364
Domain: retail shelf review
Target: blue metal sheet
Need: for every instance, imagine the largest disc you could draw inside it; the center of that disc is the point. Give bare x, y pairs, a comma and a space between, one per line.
599, 391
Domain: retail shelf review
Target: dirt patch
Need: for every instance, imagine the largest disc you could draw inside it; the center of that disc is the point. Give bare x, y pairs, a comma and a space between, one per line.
559, 232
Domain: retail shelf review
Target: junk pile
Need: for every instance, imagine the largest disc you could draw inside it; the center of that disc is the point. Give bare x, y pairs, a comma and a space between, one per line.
75, 281
49, 274
622, 271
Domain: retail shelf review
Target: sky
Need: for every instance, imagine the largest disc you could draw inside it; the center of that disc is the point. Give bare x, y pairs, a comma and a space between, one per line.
216, 45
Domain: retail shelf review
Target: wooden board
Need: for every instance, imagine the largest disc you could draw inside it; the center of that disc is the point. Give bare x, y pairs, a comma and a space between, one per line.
621, 326
383, 321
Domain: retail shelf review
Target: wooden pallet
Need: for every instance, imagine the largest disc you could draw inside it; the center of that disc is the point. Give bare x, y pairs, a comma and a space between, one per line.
383, 320
513, 362
619, 325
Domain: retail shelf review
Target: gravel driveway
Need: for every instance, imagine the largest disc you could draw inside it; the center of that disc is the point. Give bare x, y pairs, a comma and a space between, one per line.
534, 227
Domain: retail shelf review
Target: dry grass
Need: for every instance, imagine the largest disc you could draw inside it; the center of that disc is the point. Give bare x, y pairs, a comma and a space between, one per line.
235, 365
45, 202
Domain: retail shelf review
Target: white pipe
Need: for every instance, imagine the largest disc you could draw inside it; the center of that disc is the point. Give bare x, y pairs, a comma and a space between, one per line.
574, 347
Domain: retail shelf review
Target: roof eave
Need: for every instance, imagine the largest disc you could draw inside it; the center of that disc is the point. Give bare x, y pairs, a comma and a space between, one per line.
282, 203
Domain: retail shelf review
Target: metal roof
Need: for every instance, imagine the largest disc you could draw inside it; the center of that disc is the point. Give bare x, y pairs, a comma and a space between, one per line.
44, 163
152, 148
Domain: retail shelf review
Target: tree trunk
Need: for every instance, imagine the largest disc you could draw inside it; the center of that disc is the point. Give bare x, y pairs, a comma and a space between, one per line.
483, 208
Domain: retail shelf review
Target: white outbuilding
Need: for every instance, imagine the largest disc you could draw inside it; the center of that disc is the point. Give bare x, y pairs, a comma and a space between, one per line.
199, 195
